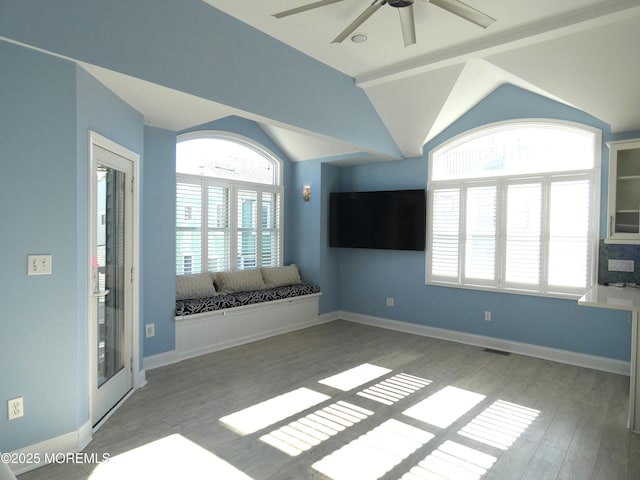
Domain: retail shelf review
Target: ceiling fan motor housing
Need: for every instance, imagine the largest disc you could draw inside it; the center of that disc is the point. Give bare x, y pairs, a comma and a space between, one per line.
400, 3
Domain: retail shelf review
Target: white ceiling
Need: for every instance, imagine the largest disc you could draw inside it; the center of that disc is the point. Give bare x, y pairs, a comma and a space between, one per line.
579, 52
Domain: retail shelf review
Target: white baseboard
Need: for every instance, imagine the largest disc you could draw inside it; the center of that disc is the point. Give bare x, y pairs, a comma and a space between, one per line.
37, 453
160, 360
141, 379
557, 355
328, 317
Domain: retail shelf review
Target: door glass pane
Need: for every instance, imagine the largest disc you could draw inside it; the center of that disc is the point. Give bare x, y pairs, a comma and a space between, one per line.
109, 274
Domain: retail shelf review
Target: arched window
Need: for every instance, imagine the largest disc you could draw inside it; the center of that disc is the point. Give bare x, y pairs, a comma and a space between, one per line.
513, 207
228, 204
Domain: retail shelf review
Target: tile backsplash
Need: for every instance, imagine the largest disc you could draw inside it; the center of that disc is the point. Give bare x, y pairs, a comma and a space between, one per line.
610, 251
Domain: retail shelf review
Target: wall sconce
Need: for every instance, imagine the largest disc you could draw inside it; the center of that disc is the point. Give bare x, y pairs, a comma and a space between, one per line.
306, 193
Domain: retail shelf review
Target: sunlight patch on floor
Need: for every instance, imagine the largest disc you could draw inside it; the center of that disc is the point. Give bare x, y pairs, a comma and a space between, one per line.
307, 432
445, 406
500, 425
395, 388
263, 414
354, 377
452, 461
167, 459
372, 455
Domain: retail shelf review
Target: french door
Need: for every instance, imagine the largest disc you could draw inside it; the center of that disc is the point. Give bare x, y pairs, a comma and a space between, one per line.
111, 285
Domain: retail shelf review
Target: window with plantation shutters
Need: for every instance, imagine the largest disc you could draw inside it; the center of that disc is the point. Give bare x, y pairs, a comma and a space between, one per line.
228, 204
513, 207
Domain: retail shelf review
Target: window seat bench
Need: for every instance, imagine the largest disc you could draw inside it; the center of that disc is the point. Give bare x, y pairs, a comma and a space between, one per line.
205, 325
231, 300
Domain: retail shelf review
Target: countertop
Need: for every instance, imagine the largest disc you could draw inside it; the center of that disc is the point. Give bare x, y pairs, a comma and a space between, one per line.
618, 298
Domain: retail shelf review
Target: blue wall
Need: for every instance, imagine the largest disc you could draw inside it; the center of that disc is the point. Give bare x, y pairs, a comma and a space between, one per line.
158, 239
367, 277
39, 341
48, 105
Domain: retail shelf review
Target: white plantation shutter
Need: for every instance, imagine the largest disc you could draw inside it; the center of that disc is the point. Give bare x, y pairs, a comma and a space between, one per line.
445, 237
480, 246
568, 234
243, 226
247, 223
218, 230
188, 227
270, 241
524, 234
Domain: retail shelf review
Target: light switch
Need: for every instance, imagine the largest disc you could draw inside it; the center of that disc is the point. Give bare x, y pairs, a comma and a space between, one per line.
39, 264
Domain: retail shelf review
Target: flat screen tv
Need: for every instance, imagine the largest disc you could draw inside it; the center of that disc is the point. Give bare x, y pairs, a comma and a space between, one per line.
394, 220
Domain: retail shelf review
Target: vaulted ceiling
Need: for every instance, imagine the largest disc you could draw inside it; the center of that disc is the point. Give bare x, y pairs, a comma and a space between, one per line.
579, 52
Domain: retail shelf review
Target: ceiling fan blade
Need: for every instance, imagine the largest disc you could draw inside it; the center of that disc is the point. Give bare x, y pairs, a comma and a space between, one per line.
465, 11
408, 25
370, 10
304, 8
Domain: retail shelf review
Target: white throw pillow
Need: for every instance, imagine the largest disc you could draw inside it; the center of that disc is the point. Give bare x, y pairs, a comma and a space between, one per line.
194, 286
240, 281
281, 276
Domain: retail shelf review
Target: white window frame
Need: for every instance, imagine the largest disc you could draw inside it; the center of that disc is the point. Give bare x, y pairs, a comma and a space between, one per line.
499, 284
233, 187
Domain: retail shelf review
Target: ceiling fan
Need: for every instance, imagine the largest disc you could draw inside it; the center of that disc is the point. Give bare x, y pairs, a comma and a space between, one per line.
405, 10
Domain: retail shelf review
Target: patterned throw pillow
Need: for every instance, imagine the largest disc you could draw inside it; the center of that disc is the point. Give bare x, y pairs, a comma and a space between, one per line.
194, 286
281, 276
240, 281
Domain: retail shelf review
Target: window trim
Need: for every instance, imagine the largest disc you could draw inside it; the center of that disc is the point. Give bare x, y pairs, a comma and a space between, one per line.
234, 186
595, 178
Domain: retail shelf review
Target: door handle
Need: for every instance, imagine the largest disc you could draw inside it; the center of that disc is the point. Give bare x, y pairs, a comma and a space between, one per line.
101, 293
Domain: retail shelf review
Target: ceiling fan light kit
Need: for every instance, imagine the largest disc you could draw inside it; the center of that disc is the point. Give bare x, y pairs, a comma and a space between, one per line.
405, 10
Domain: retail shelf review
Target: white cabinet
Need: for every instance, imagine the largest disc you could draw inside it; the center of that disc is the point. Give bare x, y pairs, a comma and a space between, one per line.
624, 192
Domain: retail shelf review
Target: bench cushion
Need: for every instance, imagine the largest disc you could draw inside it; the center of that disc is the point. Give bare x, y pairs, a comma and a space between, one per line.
240, 281
220, 302
194, 286
281, 276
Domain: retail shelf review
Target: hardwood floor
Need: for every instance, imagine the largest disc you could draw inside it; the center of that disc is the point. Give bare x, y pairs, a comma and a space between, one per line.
450, 410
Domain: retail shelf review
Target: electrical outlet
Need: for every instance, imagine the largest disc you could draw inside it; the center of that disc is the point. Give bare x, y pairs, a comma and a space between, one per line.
390, 302
15, 408
487, 316
150, 330
39, 264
